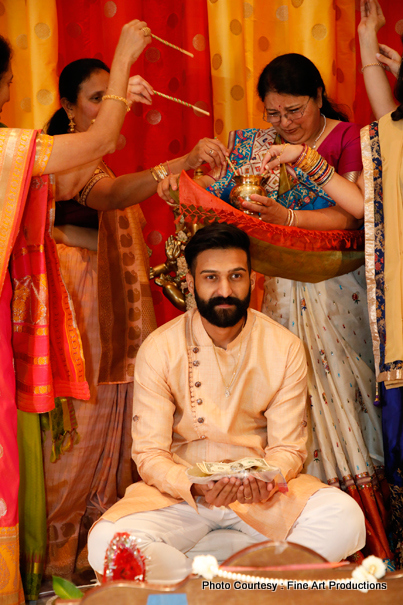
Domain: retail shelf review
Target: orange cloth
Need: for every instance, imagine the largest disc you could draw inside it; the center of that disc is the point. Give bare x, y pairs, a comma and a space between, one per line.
181, 415
32, 28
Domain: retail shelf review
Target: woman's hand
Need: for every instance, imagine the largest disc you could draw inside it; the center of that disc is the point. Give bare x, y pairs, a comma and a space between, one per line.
280, 154
372, 18
132, 41
389, 58
210, 151
267, 210
169, 182
139, 91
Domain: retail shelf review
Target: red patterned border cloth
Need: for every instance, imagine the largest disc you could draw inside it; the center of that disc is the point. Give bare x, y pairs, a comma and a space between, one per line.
276, 250
47, 346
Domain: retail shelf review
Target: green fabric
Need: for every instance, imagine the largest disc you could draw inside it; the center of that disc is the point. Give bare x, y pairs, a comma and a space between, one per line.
32, 504
62, 423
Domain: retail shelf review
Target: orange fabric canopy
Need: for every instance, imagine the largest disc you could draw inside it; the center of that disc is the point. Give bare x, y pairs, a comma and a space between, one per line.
275, 249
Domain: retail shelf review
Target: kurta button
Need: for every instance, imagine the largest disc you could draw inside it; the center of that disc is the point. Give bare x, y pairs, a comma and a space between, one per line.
199, 401
135, 418
198, 384
304, 423
195, 349
201, 420
196, 363
203, 437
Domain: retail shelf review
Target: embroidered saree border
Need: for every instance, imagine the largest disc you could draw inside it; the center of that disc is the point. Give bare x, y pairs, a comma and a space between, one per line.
11, 591
16, 159
25, 242
126, 312
123, 294
44, 146
375, 254
369, 225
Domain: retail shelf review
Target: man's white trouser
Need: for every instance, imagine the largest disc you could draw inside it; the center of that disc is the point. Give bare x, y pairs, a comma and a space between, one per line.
332, 524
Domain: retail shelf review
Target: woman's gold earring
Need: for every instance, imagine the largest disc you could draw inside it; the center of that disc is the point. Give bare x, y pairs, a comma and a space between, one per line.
72, 125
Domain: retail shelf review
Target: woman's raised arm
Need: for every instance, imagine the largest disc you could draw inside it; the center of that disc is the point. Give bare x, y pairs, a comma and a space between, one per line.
72, 150
376, 83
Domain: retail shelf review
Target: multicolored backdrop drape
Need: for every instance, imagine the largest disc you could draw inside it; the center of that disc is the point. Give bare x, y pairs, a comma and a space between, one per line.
231, 39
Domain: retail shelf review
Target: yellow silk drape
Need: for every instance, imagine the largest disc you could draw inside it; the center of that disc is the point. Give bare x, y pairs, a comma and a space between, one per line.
245, 36
31, 28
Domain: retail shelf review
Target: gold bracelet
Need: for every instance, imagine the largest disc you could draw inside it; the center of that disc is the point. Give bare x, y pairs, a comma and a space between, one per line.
154, 175
371, 65
159, 172
289, 218
116, 98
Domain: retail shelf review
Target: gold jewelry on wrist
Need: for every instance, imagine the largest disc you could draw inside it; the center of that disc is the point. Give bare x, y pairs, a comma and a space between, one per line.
293, 221
159, 172
116, 98
372, 65
290, 218
314, 166
296, 219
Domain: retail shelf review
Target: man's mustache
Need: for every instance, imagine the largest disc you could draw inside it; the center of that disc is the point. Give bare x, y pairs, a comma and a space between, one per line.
221, 300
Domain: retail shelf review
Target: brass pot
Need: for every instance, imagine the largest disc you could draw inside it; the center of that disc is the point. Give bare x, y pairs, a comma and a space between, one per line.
246, 185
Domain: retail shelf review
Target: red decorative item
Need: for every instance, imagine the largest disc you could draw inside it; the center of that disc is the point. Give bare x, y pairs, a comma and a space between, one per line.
124, 560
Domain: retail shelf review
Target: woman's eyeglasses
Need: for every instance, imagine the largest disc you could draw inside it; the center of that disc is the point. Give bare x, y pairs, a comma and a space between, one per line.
293, 114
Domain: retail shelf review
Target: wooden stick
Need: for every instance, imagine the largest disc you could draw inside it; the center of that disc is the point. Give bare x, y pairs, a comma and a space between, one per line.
232, 166
185, 52
161, 94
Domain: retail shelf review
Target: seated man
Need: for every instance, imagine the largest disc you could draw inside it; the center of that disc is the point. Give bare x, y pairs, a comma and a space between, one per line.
222, 382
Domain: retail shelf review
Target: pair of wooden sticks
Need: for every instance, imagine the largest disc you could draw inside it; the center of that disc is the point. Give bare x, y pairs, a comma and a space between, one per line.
147, 32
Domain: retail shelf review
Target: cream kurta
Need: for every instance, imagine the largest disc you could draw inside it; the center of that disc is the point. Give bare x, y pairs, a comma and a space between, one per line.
182, 416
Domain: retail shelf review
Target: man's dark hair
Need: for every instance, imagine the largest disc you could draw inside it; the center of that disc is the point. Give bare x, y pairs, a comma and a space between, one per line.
221, 236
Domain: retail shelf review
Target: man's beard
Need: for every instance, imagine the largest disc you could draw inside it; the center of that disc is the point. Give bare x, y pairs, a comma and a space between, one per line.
223, 318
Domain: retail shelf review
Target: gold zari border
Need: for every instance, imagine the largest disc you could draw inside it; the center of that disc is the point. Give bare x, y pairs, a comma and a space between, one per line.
369, 225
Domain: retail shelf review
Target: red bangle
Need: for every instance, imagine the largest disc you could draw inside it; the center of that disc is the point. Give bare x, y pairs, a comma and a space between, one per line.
301, 155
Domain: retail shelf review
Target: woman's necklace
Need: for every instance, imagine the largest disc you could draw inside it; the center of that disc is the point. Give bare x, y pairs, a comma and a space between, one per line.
321, 132
238, 366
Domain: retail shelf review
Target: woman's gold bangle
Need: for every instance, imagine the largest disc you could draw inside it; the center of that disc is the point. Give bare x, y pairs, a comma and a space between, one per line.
116, 98
372, 65
159, 172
